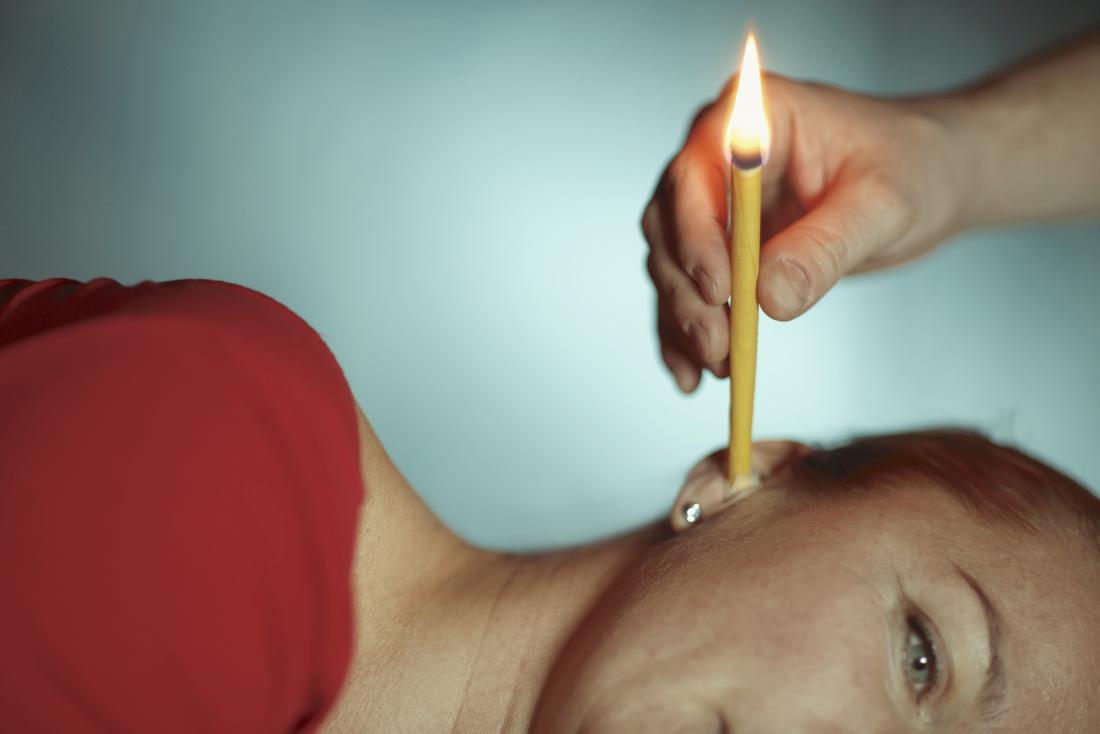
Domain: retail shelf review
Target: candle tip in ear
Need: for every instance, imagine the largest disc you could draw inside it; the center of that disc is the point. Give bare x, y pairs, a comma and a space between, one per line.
744, 483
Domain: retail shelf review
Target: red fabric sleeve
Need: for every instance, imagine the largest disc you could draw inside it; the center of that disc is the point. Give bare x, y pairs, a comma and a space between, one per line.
179, 491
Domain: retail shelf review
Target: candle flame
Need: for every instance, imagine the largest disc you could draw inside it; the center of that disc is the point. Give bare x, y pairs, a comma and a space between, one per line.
747, 135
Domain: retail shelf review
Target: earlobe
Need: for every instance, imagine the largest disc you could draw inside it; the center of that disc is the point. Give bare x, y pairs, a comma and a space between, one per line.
706, 492
703, 492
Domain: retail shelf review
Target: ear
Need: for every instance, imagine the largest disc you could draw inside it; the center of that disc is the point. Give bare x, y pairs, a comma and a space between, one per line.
706, 484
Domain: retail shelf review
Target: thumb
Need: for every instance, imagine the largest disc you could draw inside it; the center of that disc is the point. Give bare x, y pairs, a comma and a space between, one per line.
800, 264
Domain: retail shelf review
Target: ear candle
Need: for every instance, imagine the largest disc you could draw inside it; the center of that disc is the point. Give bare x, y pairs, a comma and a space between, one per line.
747, 143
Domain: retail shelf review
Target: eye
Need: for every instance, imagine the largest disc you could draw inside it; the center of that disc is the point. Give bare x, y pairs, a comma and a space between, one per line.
921, 665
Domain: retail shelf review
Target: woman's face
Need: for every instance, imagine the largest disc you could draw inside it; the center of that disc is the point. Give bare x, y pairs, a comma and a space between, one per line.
896, 612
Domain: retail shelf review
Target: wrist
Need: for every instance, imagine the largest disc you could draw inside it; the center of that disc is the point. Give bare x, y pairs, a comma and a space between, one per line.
956, 145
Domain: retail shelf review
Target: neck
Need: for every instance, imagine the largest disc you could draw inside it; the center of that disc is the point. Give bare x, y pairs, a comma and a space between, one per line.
524, 617
468, 645
450, 637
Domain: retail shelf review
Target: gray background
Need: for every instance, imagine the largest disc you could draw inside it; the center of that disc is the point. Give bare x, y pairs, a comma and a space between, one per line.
449, 192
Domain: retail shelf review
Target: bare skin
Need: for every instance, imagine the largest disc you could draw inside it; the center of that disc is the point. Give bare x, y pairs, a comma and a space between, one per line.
856, 183
453, 638
774, 615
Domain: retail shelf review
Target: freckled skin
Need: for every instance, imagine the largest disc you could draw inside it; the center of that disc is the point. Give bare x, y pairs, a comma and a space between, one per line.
781, 612
784, 615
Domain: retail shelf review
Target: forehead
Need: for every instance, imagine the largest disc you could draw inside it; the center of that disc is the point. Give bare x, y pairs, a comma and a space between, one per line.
1046, 588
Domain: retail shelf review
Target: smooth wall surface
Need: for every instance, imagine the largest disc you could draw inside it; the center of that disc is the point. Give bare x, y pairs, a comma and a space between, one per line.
449, 192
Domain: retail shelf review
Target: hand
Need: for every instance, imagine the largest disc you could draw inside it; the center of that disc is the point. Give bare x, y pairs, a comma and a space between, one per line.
851, 184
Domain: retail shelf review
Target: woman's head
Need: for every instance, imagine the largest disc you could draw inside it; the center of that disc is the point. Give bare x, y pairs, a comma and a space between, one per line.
921, 582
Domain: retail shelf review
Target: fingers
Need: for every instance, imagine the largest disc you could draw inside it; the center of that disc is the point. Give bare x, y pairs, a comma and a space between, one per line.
686, 325
690, 328
685, 371
801, 263
695, 194
684, 224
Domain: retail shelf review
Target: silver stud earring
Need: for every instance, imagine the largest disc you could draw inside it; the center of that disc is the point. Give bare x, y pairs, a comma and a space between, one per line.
692, 512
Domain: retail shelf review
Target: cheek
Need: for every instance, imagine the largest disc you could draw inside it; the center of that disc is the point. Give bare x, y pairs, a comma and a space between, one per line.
660, 709
813, 659
780, 636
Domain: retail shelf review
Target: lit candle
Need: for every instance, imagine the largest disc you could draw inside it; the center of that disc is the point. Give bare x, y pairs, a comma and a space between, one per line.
747, 143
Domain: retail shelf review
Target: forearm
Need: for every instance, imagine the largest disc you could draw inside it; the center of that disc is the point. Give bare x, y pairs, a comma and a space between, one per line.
1030, 138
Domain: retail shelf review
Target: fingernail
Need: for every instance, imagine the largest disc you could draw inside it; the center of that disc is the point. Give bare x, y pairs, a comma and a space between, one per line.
701, 338
790, 287
707, 286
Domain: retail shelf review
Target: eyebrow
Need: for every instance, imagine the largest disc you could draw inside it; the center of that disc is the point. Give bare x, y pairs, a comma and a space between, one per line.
991, 698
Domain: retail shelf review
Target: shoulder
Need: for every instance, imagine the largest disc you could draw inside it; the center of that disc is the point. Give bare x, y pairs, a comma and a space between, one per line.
266, 350
235, 311
221, 342
198, 437
48, 308
218, 322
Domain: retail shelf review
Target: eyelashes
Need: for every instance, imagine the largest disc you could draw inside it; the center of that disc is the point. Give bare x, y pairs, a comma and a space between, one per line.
920, 658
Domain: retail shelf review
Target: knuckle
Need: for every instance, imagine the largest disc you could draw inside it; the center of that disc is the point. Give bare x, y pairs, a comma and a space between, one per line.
667, 284
887, 203
880, 192
650, 221
679, 168
708, 110
683, 310
652, 268
671, 289
828, 251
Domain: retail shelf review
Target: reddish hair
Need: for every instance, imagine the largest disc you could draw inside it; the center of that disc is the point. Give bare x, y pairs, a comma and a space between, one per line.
995, 483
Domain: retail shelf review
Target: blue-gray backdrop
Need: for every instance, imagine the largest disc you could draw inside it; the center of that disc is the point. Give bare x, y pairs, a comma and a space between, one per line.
449, 192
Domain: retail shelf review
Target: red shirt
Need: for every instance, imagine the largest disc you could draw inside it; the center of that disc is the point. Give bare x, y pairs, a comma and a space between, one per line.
179, 492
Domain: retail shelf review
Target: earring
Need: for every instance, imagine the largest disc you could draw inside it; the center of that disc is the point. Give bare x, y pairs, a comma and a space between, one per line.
692, 512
